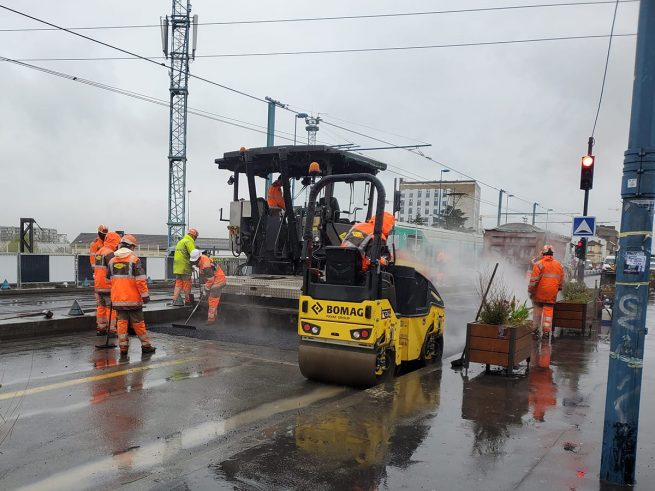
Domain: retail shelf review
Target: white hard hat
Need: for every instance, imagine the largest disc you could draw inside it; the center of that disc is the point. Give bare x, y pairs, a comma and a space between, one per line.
195, 255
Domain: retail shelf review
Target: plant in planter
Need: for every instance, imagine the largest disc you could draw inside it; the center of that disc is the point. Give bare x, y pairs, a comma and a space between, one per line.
577, 309
503, 334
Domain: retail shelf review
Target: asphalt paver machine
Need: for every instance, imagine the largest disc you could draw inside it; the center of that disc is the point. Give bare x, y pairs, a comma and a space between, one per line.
270, 237
357, 327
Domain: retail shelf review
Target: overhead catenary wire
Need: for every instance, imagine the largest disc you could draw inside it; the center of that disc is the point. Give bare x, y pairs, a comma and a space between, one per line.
342, 17
152, 61
341, 51
607, 60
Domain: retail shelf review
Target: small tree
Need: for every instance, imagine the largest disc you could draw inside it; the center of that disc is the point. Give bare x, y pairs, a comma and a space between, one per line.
454, 218
418, 219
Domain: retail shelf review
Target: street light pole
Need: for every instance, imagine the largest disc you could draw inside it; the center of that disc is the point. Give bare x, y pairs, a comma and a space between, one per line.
500, 205
441, 191
188, 208
534, 211
295, 125
507, 206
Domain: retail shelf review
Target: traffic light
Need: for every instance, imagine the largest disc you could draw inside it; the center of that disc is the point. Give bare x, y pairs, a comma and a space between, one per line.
587, 172
580, 248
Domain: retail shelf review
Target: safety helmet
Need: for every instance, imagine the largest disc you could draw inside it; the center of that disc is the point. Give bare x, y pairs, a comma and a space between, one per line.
195, 255
547, 250
129, 240
103, 229
112, 239
193, 232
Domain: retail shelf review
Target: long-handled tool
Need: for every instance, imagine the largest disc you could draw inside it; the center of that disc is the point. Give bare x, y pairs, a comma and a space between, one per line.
47, 314
186, 323
460, 361
107, 345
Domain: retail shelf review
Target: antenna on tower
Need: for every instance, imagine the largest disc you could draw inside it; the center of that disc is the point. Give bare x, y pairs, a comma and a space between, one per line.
312, 128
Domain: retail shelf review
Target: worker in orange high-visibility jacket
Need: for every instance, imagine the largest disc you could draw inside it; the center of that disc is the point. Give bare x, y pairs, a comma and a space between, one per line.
97, 243
546, 280
182, 268
105, 315
274, 196
360, 236
129, 291
212, 280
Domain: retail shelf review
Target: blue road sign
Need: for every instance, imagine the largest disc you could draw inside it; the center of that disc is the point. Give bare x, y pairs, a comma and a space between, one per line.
584, 226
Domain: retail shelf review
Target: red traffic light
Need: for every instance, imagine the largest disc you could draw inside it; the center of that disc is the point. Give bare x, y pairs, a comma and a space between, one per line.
579, 243
587, 172
588, 160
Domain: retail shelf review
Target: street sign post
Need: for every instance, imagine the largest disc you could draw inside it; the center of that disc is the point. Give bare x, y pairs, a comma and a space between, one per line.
584, 226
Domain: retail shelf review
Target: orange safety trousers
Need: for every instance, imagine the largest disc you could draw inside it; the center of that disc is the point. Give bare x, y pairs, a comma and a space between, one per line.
103, 309
182, 286
543, 317
213, 301
134, 316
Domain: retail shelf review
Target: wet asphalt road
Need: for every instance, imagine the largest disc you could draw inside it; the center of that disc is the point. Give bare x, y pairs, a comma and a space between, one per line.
232, 411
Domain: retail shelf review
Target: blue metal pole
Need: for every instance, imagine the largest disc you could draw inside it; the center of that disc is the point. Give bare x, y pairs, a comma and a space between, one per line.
633, 263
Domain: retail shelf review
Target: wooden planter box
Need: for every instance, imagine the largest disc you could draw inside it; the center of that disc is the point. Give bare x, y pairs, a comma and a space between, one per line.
504, 346
577, 316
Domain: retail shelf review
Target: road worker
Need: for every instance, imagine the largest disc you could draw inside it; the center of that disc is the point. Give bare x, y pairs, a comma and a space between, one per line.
360, 236
546, 280
182, 265
212, 280
274, 197
105, 315
97, 243
129, 291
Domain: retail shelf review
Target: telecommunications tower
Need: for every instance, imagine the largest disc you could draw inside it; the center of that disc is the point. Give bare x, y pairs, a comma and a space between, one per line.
175, 32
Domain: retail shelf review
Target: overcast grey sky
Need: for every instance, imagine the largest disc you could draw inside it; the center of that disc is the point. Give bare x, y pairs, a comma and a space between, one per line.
515, 116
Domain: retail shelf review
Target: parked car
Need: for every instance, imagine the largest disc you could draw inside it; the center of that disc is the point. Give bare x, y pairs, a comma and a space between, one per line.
609, 264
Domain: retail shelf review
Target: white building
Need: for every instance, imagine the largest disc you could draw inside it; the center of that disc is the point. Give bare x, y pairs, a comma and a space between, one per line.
434, 199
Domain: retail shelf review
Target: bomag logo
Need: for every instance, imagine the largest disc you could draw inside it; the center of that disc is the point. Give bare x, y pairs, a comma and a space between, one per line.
317, 308
344, 310
119, 265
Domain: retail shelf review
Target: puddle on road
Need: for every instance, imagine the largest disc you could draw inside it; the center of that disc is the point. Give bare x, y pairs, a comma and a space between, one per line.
154, 454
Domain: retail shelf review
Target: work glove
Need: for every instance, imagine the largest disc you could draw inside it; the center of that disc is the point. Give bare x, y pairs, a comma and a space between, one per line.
145, 300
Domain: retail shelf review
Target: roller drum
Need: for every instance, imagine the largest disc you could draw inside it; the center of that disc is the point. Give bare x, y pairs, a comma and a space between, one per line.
337, 364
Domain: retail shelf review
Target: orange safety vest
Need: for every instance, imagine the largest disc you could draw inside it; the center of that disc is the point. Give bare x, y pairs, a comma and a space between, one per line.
128, 280
360, 236
210, 274
101, 260
93, 248
546, 280
274, 197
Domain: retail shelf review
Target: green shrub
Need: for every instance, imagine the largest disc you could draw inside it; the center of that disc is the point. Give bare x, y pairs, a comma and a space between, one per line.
575, 292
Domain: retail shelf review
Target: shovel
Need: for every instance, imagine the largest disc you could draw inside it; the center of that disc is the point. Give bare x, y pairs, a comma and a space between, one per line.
186, 323
47, 314
107, 345
460, 361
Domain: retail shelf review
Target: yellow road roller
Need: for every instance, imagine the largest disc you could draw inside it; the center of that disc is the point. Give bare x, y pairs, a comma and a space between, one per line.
357, 327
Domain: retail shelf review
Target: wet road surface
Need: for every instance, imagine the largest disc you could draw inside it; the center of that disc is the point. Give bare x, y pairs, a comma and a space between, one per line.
230, 410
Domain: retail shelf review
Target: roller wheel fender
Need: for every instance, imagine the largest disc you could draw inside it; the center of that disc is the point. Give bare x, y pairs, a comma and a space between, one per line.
432, 349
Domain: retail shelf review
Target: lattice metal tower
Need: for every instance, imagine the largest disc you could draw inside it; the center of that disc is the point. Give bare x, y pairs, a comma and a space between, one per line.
175, 43
312, 129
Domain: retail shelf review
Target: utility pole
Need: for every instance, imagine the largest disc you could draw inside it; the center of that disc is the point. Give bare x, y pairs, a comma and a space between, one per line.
270, 133
176, 30
534, 211
619, 454
500, 206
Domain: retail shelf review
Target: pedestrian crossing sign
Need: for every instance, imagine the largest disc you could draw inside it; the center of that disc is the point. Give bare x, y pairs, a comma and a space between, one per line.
584, 226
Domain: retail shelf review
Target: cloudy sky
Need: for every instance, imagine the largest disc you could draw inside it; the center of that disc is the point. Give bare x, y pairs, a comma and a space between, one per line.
515, 116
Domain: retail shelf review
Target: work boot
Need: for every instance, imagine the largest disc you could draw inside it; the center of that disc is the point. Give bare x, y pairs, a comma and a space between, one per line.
123, 354
148, 349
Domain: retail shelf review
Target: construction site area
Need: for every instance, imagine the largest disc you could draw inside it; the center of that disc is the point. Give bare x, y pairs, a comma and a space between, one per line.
191, 299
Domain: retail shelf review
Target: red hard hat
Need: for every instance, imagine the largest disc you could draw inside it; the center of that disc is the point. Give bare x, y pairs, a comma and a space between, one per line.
194, 232
129, 240
103, 229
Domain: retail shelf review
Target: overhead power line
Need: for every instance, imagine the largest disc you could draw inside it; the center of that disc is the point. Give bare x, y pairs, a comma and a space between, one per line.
152, 61
607, 60
340, 17
342, 51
